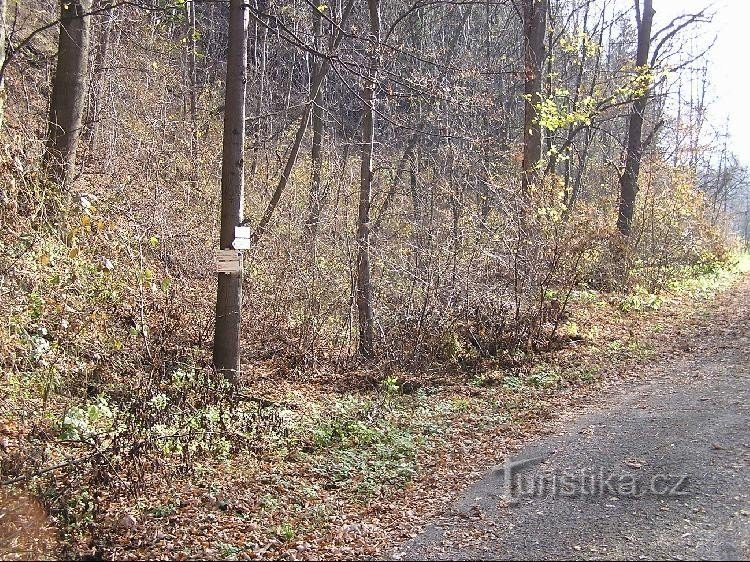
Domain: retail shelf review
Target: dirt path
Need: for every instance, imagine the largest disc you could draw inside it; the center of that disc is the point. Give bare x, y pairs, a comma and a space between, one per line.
662, 471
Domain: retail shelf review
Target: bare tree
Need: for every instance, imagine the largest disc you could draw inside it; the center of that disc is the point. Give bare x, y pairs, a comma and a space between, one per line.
316, 153
191, 33
634, 146
3, 5
534, 26
363, 294
291, 159
68, 90
98, 74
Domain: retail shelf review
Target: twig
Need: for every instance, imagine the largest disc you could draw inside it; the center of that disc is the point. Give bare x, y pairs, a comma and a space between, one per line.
45, 470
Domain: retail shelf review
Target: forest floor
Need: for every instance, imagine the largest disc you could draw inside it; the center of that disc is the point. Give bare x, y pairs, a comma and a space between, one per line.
357, 469
655, 470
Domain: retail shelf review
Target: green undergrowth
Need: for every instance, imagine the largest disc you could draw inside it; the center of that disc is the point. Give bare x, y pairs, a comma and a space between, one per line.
706, 282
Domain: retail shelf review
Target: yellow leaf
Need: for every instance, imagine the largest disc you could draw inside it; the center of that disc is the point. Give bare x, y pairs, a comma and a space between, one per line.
44, 259
85, 220
73, 253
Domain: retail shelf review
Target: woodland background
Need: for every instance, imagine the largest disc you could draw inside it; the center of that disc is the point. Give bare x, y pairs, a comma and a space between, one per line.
435, 188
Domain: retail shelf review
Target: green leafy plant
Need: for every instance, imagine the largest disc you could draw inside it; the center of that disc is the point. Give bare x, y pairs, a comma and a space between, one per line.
286, 532
390, 385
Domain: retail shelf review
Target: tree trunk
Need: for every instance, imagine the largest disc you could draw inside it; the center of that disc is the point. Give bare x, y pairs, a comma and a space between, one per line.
534, 25
192, 78
363, 295
98, 77
629, 177
316, 154
68, 91
226, 355
260, 58
550, 137
3, 4
315, 203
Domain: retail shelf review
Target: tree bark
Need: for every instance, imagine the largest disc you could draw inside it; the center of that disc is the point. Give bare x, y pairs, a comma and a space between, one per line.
68, 97
534, 26
3, 5
629, 177
192, 77
98, 76
363, 293
260, 59
316, 153
226, 353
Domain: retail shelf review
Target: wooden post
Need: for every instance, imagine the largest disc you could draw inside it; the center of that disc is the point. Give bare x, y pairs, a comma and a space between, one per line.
226, 353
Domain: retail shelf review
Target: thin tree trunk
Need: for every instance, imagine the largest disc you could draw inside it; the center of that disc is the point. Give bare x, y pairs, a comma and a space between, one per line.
98, 77
549, 140
676, 156
315, 202
3, 5
316, 154
192, 77
552, 164
68, 97
534, 25
629, 177
260, 51
572, 197
226, 353
363, 293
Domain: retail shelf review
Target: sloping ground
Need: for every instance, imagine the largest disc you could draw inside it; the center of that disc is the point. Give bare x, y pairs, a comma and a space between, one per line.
359, 472
659, 471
